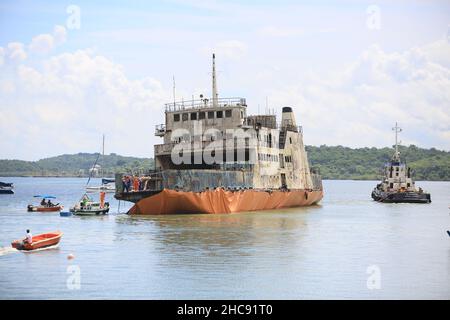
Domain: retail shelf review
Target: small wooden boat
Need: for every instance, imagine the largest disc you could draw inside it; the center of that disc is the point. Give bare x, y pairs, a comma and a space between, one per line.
45, 206
55, 208
41, 241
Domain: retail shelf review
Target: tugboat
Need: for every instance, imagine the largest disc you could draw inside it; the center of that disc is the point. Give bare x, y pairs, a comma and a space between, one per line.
397, 185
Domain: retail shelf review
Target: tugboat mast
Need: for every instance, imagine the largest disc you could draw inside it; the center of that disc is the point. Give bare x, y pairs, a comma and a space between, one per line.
397, 130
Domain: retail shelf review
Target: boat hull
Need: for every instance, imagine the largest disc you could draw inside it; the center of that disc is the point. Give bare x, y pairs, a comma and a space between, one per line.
223, 201
44, 209
45, 240
89, 212
6, 191
400, 197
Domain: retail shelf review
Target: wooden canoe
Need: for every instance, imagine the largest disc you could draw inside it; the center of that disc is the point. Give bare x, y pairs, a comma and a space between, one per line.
40, 241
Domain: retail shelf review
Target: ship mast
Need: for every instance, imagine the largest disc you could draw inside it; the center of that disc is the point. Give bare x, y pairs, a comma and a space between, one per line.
214, 84
397, 130
103, 156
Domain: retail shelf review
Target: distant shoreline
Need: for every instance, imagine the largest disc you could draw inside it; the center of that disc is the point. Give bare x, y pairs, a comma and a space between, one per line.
5, 177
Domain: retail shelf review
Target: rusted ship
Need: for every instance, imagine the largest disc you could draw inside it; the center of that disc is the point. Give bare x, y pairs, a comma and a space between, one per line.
217, 159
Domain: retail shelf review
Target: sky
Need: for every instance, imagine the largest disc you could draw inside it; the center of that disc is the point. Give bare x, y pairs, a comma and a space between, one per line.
71, 71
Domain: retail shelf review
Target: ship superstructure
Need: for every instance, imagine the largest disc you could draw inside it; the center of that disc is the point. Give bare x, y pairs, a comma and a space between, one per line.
397, 184
215, 158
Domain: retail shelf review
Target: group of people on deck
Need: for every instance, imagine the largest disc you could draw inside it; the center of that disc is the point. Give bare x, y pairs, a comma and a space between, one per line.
46, 204
132, 183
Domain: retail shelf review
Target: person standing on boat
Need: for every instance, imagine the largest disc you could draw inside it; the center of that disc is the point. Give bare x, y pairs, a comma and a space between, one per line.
136, 183
43, 203
29, 237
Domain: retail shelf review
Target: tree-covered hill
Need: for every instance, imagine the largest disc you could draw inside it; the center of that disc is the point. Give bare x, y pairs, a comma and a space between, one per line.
366, 163
334, 162
74, 165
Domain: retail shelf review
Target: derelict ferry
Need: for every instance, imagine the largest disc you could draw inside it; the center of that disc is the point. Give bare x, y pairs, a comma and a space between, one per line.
217, 159
397, 185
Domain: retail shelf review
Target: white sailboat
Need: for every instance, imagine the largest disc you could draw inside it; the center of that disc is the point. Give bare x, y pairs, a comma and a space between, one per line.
108, 185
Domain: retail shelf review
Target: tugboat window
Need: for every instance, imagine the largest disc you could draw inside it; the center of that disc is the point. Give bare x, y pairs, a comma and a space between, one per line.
201, 115
185, 117
176, 117
210, 114
228, 113
194, 116
219, 114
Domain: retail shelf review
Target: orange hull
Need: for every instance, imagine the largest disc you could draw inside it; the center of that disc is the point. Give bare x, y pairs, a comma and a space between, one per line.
222, 201
45, 209
40, 241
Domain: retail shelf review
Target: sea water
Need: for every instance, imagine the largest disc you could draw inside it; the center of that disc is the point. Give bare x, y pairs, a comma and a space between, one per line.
348, 247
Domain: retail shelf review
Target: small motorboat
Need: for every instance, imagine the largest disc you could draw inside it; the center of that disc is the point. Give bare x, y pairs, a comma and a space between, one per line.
40, 241
45, 206
65, 214
6, 188
88, 207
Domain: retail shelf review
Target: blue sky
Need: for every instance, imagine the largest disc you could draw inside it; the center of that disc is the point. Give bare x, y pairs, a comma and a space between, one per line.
348, 78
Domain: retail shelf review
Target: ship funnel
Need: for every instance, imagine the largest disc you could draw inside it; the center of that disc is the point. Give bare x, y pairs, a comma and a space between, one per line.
288, 118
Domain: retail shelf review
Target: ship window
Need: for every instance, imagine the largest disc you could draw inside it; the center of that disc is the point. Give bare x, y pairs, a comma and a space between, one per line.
201, 115
185, 117
408, 185
176, 117
290, 140
210, 114
219, 114
228, 113
391, 185
194, 116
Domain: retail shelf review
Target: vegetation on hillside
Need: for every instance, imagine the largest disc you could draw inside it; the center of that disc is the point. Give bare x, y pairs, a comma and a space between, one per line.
75, 165
366, 163
334, 163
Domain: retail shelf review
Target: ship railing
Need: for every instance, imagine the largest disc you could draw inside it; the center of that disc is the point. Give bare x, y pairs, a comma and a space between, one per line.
205, 103
250, 122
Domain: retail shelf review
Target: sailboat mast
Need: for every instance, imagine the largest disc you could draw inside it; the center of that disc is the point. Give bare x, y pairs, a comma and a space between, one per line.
103, 156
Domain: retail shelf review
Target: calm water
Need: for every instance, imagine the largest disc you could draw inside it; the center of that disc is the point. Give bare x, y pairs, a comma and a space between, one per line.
303, 253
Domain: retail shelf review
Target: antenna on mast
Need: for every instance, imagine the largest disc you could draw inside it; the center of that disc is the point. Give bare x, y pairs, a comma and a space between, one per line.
214, 83
397, 130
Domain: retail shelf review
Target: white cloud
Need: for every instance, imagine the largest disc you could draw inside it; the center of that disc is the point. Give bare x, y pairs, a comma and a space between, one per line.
359, 106
2, 56
70, 99
16, 51
42, 44
60, 34
45, 43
